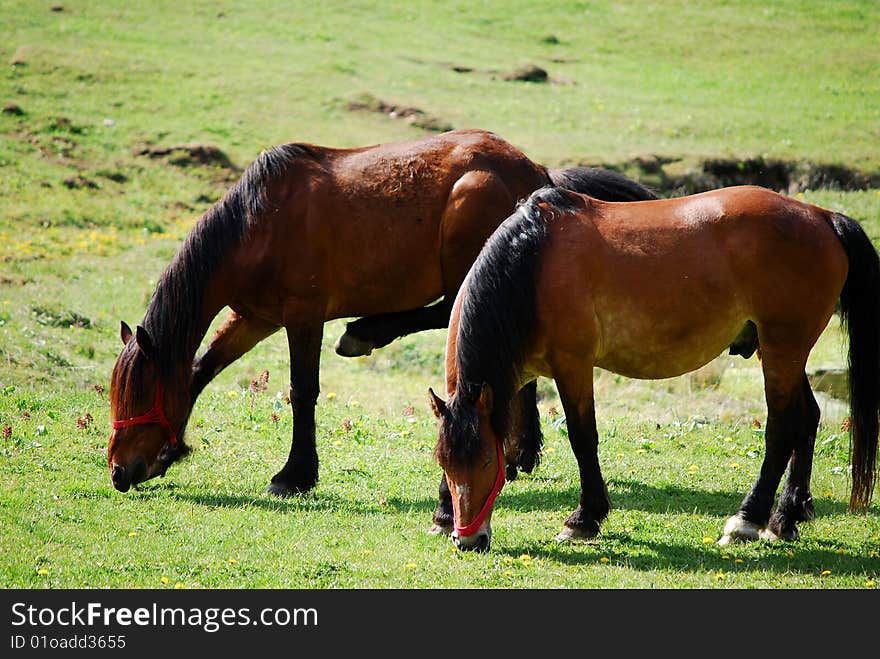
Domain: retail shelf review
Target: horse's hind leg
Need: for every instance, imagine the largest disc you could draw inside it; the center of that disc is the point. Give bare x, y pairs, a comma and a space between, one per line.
786, 431
363, 335
576, 393
796, 501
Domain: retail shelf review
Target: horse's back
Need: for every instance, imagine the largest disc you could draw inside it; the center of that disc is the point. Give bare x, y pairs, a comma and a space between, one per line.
364, 228
659, 288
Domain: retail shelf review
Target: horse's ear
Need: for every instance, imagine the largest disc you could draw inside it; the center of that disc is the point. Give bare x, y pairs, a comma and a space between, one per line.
437, 403
145, 343
485, 400
124, 332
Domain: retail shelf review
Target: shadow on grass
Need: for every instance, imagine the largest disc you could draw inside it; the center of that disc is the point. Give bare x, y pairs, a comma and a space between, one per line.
653, 555
309, 502
635, 495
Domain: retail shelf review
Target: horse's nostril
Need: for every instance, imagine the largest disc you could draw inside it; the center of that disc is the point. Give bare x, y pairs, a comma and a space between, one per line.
117, 475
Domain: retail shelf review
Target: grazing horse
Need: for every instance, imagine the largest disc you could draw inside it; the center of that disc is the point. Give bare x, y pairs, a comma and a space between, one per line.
307, 235
651, 290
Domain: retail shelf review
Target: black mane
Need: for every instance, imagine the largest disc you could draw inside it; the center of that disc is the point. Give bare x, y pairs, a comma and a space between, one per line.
172, 316
496, 321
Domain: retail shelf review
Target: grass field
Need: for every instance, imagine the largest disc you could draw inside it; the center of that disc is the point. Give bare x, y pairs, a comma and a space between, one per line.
90, 216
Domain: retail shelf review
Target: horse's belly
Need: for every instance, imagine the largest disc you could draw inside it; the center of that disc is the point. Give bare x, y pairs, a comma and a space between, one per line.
666, 352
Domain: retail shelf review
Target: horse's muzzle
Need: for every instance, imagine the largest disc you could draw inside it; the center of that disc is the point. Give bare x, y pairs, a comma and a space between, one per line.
479, 541
124, 478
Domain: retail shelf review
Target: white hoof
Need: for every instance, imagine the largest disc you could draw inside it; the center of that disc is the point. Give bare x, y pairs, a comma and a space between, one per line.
568, 534
737, 529
768, 535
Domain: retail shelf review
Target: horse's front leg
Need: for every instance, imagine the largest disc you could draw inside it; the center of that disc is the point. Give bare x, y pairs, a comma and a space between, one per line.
576, 392
235, 337
300, 473
444, 517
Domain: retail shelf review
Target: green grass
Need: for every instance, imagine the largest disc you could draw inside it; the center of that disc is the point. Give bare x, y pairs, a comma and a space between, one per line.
96, 81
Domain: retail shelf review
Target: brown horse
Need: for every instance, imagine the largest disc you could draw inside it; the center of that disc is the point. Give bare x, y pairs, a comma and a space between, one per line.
652, 290
307, 235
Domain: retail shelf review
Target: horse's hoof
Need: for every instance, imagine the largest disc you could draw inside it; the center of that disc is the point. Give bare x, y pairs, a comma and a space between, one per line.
350, 346
284, 491
738, 529
439, 529
569, 534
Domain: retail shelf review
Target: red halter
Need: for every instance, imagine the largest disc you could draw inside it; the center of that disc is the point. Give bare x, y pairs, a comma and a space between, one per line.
475, 525
155, 415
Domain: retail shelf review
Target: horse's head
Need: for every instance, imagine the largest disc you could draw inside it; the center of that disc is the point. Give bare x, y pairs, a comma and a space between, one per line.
471, 455
145, 420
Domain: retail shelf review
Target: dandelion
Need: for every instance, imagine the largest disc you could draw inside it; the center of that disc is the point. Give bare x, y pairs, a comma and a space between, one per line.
410, 566
870, 583
604, 559
233, 561
163, 580
789, 554
507, 573
840, 551
737, 560
179, 585
693, 468
734, 465
232, 394
828, 495
42, 572
825, 573
133, 534
331, 395
525, 558
707, 540
719, 576
508, 559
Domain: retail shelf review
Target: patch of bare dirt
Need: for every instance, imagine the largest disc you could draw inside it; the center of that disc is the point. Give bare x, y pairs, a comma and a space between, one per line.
411, 115
677, 176
187, 155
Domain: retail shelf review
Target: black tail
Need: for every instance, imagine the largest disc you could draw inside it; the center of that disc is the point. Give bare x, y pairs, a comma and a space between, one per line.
860, 311
600, 183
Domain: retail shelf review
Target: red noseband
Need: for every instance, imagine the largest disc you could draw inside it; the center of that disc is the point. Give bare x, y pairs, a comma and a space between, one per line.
155, 415
474, 526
